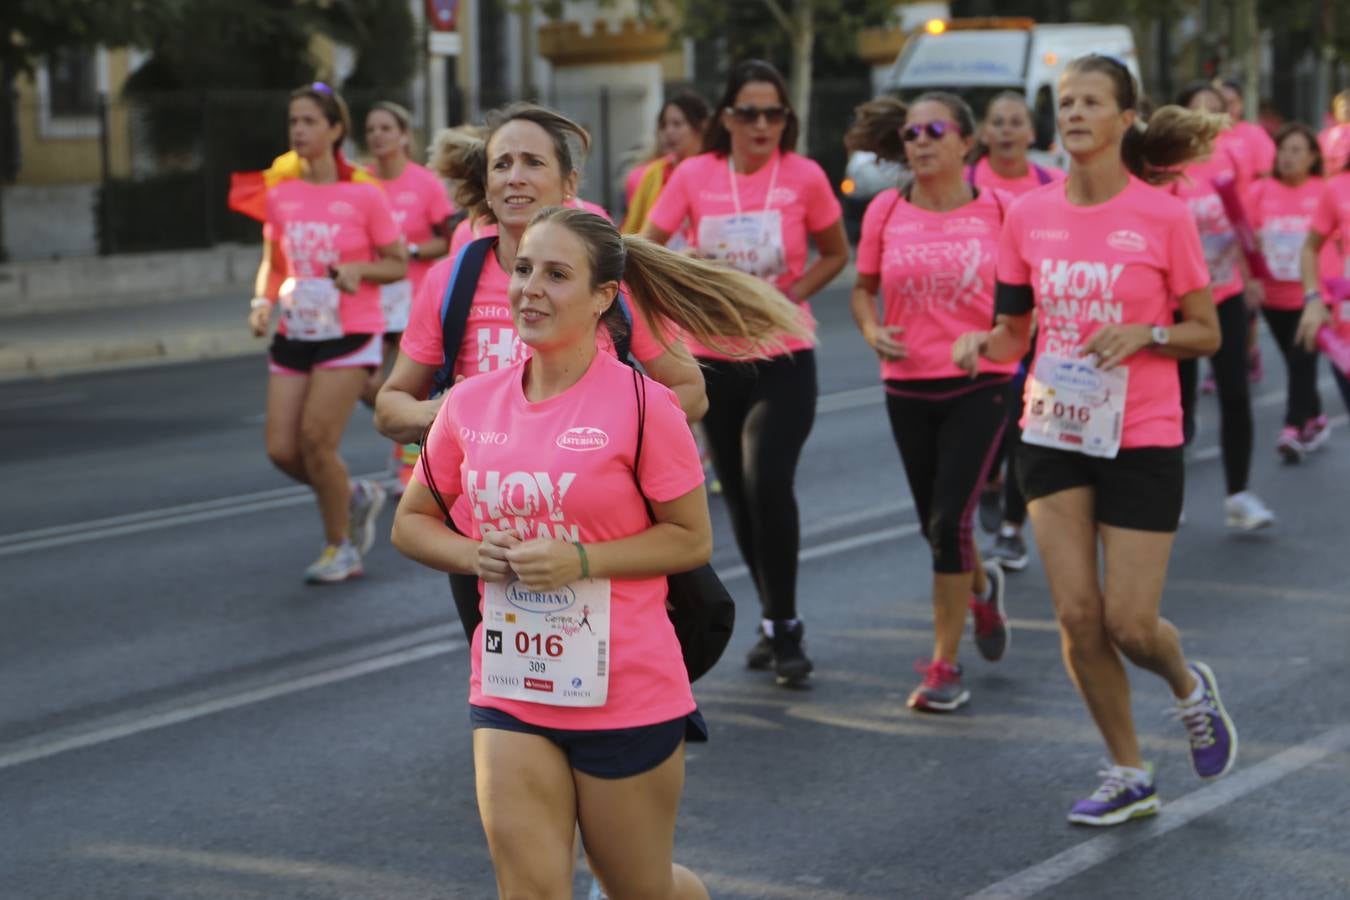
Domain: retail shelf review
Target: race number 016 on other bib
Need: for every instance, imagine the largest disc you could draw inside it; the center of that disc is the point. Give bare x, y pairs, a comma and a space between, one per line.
549, 647
751, 242
309, 307
1073, 405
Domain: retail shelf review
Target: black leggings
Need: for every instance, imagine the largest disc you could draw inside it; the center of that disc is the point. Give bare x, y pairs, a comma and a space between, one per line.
948, 431
1235, 401
759, 417
1302, 401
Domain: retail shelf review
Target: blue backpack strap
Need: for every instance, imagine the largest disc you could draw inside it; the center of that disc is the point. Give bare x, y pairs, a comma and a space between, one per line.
1042, 175
455, 305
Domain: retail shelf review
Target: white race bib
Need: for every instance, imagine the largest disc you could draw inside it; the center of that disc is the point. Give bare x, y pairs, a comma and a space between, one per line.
549, 647
1221, 252
309, 307
1073, 405
751, 242
1282, 250
395, 301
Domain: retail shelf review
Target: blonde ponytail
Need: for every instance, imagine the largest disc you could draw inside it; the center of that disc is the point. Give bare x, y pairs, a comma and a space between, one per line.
460, 155
1174, 137
736, 314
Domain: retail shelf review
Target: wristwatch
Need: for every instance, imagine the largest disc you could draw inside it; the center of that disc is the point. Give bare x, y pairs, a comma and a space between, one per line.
413, 250
1161, 334
1312, 296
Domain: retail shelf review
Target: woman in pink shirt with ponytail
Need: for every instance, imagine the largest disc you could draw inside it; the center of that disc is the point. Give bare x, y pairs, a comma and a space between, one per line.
1105, 260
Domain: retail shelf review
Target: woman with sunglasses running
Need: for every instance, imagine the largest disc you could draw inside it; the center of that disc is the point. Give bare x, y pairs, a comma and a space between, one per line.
756, 205
1105, 261
423, 212
1281, 208
1006, 136
929, 249
339, 242
1202, 185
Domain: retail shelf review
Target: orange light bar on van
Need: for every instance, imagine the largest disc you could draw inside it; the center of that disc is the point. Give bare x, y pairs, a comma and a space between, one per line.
935, 26
847, 186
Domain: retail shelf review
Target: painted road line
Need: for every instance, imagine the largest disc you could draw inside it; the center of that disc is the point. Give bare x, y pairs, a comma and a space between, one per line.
437, 640
1078, 859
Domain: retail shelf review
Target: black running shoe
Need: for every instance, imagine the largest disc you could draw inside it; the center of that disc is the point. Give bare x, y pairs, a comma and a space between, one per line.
760, 656
789, 659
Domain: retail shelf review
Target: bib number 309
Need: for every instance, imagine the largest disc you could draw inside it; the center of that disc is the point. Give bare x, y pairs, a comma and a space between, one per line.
549, 647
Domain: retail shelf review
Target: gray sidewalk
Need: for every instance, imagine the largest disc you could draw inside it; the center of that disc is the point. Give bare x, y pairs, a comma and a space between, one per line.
207, 326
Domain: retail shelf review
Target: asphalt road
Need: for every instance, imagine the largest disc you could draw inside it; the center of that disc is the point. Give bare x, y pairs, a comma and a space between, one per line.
180, 717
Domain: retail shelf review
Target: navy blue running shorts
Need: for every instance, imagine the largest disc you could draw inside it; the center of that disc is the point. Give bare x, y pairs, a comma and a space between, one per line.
1141, 488
607, 753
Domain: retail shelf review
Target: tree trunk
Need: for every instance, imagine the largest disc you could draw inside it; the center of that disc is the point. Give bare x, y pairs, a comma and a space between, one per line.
803, 40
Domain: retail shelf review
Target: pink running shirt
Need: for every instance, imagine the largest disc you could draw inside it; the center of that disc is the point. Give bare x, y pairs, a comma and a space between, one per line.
419, 201
321, 225
505, 457
986, 177
1119, 262
1332, 218
802, 196
937, 277
1217, 235
1282, 216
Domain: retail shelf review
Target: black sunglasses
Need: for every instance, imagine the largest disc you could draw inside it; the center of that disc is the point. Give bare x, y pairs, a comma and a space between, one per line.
749, 115
935, 130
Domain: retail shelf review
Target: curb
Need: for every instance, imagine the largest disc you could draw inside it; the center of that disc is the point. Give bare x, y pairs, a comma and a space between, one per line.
51, 358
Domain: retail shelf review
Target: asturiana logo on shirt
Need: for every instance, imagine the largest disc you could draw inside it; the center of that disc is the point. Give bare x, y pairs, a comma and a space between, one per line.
1127, 240
582, 438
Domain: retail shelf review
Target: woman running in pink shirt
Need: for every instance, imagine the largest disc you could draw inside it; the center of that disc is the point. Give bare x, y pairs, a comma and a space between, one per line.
1105, 260
585, 491
757, 205
423, 213
340, 243
1281, 209
928, 251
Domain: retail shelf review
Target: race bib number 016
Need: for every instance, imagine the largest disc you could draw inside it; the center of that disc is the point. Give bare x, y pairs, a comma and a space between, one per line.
549, 647
309, 307
1073, 405
751, 242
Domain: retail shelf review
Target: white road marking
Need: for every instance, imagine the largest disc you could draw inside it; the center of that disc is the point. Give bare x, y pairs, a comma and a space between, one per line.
340, 667
1078, 859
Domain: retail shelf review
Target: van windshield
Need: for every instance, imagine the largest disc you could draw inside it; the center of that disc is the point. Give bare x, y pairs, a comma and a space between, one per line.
963, 59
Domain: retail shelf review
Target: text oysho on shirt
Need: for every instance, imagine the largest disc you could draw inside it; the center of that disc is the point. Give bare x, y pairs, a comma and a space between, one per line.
1282, 216
803, 201
937, 276
322, 225
1119, 262
419, 202
562, 469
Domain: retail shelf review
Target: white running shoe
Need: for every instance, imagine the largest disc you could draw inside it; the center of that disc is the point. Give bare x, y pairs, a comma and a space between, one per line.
362, 511
335, 564
1244, 511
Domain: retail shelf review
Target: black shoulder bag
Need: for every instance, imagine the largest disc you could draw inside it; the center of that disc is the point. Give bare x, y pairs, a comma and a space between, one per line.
699, 605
